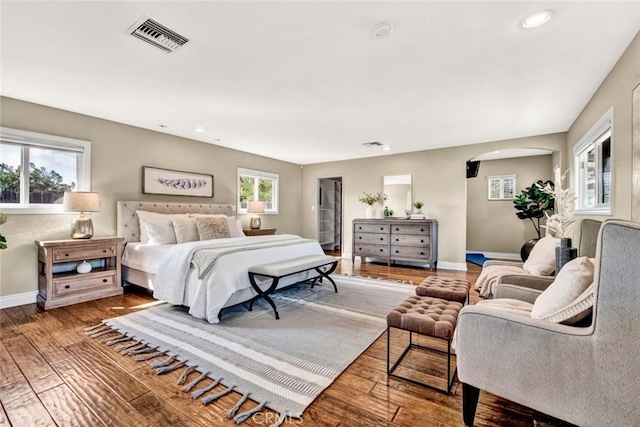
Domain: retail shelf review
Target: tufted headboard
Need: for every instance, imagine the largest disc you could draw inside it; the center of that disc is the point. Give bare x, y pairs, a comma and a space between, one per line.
127, 219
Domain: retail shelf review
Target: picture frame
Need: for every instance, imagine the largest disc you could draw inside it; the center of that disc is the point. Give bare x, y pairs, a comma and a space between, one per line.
501, 187
176, 183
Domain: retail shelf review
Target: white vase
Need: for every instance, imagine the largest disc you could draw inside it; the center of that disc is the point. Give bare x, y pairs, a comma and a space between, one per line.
83, 268
370, 212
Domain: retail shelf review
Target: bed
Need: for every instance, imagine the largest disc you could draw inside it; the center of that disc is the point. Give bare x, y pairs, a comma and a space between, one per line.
205, 276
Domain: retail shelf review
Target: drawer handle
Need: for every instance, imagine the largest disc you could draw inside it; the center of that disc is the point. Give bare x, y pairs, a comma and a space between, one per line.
360, 237
66, 254
422, 229
104, 251
397, 251
421, 253
397, 240
421, 240
359, 228
382, 238
359, 249
67, 286
397, 229
380, 250
104, 280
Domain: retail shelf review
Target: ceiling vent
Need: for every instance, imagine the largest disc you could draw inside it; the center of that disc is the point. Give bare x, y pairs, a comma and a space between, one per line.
373, 144
156, 34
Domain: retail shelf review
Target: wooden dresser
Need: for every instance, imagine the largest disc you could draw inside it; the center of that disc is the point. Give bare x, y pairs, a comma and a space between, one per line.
60, 284
392, 239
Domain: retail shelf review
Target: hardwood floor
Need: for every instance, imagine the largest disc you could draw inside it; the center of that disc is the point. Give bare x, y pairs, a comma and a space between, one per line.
52, 374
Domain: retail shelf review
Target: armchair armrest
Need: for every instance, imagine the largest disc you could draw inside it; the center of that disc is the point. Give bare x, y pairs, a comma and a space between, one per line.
526, 281
505, 290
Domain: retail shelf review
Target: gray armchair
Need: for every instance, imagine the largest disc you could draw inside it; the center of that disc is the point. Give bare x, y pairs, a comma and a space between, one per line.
586, 247
589, 376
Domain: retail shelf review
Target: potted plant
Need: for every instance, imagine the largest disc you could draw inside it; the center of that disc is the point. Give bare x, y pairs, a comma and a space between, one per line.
531, 204
418, 206
370, 199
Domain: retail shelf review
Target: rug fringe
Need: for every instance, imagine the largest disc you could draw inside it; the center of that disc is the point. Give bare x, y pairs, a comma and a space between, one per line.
196, 394
193, 383
231, 412
115, 340
141, 351
165, 369
184, 375
130, 350
245, 415
217, 396
165, 362
150, 356
125, 347
91, 328
100, 332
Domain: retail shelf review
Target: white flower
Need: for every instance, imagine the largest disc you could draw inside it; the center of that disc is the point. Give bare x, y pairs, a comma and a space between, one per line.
558, 223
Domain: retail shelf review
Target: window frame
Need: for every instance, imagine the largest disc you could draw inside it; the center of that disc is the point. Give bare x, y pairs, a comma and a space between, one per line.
502, 179
26, 140
258, 174
593, 139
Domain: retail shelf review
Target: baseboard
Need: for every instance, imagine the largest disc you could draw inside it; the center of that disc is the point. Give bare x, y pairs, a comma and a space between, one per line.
502, 255
446, 265
18, 299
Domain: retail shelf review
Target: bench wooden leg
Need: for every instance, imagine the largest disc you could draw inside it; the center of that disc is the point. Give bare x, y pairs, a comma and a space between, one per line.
264, 294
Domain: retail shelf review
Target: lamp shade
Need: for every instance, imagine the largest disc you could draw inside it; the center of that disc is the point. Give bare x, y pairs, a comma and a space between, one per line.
255, 207
81, 202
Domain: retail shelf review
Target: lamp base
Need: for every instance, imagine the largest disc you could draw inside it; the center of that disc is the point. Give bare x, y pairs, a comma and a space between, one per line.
82, 228
255, 223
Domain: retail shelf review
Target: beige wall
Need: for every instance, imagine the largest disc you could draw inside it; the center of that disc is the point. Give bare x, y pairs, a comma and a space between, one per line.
118, 154
615, 91
492, 225
439, 180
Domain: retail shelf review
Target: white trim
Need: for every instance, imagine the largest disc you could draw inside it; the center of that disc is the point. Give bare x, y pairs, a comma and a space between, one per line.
18, 299
446, 265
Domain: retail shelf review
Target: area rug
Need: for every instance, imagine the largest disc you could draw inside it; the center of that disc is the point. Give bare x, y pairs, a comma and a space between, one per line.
477, 258
280, 364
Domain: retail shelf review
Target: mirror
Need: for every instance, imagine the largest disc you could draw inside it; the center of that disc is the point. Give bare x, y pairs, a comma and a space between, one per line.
397, 188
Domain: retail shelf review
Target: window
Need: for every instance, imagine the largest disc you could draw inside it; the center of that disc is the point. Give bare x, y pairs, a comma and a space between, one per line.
502, 187
257, 186
592, 157
36, 170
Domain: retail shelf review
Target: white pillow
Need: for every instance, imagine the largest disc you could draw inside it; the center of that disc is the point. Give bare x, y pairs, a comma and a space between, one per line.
542, 259
185, 229
159, 231
558, 302
144, 215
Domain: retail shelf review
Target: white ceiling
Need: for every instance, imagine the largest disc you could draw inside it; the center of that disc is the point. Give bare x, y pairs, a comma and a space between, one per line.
308, 82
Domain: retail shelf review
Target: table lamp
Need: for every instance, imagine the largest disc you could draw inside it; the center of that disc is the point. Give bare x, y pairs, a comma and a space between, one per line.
255, 208
82, 202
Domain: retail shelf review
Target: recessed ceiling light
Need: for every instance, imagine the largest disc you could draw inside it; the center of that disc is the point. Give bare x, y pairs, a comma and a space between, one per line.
386, 148
199, 129
537, 19
382, 30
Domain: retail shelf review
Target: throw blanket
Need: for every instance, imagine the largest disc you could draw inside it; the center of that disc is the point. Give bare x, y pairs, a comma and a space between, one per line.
227, 265
491, 274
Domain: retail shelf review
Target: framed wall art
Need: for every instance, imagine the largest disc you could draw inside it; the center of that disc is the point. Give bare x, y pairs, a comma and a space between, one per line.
176, 183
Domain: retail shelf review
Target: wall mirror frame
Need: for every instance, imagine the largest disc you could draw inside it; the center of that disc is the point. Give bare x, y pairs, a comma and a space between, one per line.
398, 191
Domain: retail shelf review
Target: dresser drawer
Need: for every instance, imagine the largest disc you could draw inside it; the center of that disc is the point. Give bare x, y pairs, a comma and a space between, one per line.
371, 250
410, 252
370, 228
371, 238
410, 240
83, 282
411, 229
80, 253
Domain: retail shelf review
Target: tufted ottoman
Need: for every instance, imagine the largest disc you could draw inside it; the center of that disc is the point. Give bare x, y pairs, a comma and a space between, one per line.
445, 288
433, 317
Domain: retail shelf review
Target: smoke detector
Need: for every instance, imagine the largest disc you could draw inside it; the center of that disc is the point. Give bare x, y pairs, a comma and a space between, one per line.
156, 34
382, 30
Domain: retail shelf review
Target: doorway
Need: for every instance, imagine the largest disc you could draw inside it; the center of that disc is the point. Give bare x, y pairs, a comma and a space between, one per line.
330, 215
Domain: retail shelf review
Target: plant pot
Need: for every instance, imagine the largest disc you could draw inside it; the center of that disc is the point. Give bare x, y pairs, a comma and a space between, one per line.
370, 212
525, 250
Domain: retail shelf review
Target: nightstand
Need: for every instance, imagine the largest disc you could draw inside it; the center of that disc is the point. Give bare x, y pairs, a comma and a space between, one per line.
259, 231
59, 283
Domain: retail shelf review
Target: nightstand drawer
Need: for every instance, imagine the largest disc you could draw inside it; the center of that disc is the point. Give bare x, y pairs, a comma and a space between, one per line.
83, 283
80, 253
371, 238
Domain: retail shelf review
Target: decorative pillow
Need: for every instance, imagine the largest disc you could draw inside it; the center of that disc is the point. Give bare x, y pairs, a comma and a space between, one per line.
212, 228
566, 299
143, 215
185, 229
235, 227
542, 259
159, 231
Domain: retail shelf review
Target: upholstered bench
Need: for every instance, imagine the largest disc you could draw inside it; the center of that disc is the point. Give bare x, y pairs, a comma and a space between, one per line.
279, 269
433, 317
445, 288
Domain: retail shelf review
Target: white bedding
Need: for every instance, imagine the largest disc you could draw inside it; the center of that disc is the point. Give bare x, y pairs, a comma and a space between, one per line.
144, 257
177, 280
